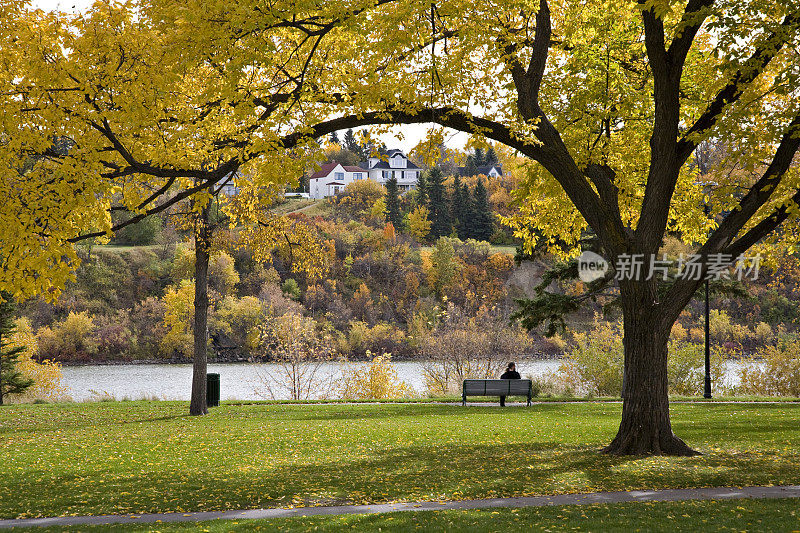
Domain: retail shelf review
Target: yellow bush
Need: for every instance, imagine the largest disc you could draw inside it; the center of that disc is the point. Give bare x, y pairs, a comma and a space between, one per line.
594, 364
763, 332
679, 332
776, 374
47, 377
70, 340
376, 381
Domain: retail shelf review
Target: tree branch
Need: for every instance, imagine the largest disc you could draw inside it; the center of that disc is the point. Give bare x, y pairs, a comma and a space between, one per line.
731, 93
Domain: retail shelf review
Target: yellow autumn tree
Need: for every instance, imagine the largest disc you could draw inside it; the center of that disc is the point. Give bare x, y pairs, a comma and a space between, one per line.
613, 104
418, 223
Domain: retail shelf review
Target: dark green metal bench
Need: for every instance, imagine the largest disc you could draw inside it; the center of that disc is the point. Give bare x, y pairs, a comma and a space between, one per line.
496, 387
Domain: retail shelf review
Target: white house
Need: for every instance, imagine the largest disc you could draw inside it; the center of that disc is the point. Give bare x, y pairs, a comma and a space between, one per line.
397, 165
491, 171
332, 178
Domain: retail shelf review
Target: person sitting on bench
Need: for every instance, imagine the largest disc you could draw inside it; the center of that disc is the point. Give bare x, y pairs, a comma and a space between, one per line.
510, 373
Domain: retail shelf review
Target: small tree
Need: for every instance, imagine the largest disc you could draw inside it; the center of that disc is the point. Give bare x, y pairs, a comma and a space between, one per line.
393, 204
299, 351
12, 381
419, 223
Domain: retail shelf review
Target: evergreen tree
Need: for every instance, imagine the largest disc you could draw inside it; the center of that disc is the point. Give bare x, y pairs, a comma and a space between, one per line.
334, 137
351, 144
11, 380
469, 212
480, 159
482, 218
393, 204
491, 156
438, 205
470, 168
422, 189
460, 208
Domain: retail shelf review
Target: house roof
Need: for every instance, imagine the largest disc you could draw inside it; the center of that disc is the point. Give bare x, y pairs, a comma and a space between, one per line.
324, 170
353, 169
462, 171
335, 183
385, 164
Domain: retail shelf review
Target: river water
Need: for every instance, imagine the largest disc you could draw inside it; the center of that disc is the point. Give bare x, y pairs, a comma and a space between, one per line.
238, 381
246, 381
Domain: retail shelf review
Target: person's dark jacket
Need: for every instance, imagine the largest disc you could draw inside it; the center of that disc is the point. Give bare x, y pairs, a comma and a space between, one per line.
510, 374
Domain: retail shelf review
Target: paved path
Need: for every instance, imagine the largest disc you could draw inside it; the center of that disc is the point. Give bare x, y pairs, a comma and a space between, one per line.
669, 495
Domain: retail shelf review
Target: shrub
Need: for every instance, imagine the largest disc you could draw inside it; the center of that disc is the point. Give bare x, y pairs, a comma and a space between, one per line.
70, 340
543, 385
147, 324
763, 332
594, 365
47, 378
358, 199
678, 332
239, 319
380, 338
113, 336
463, 348
291, 289
723, 330
686, 368
776, 374
299, 351
222, 276
419, 225
375, 381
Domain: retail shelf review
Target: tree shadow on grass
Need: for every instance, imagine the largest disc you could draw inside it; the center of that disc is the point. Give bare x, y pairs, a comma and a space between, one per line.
401, 473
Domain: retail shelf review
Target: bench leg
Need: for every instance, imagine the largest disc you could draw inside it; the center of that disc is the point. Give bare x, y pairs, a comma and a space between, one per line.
464, 400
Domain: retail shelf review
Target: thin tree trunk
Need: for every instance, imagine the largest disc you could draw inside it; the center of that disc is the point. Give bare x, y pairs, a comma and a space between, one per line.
645, 428
202, 245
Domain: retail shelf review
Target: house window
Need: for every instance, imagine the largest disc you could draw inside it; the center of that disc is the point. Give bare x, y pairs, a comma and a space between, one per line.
386, 174
339, 175
357, 176
397, 161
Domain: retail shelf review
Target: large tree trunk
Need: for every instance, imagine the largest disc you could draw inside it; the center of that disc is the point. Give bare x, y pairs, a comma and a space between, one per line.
202, 245
645, 428
1, 368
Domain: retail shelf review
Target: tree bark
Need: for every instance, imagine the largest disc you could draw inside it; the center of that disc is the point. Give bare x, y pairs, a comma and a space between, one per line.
645, 428
1, 368
202, 248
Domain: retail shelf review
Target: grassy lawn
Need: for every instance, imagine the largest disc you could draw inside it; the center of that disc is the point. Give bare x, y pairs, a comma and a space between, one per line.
133, 457
730, 515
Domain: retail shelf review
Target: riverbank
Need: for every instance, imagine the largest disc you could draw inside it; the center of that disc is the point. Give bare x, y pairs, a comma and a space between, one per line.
252, 360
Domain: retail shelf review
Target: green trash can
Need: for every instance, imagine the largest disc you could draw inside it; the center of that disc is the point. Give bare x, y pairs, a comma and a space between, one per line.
212, 390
